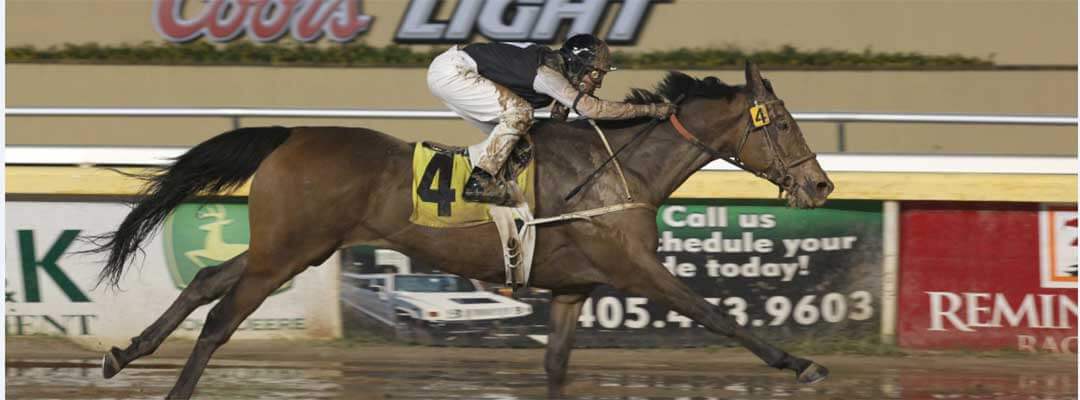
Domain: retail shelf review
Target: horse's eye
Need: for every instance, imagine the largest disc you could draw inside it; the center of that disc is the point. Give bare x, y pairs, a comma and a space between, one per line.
782, 124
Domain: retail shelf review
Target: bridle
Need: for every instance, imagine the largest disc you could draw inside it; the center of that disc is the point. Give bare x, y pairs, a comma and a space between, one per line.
761, 117
781, 177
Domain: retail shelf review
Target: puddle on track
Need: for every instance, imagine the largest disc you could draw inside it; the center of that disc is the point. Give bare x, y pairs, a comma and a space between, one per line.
81, 379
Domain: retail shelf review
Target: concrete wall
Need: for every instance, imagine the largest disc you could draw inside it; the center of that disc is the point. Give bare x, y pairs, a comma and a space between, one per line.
991, 92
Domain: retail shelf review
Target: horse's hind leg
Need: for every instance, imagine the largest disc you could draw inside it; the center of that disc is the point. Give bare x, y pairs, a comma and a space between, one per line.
265, 272
209, 285
565, 309
652, 280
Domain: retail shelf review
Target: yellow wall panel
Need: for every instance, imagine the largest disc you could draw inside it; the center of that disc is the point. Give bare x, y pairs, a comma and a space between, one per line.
89, 181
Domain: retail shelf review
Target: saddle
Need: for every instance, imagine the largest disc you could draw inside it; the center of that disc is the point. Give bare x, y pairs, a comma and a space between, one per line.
445, 148
520, 156
439, 175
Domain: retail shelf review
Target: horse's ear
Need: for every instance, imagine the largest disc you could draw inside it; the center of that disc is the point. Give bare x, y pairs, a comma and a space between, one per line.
753, 78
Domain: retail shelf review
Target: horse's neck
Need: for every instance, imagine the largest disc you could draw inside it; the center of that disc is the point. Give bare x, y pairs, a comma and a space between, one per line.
660, 162
664, 161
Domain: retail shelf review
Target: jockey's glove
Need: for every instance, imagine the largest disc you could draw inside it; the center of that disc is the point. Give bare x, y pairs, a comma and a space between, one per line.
560, 112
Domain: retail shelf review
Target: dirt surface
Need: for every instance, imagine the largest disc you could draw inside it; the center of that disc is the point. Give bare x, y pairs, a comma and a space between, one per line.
40, 368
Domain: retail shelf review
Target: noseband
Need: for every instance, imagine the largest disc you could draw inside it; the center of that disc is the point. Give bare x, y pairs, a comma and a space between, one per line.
760, 117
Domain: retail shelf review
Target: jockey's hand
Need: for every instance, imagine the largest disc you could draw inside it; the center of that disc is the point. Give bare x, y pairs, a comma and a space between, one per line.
662, 111
559, 112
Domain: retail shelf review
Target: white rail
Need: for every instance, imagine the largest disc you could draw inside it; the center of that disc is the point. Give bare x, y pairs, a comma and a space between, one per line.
146, 156
836, 117
841, 119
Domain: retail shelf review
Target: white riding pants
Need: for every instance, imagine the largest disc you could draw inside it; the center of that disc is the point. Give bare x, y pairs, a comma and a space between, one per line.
503, 115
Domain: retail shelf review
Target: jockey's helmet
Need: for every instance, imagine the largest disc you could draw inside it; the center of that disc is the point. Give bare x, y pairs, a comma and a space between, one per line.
585, 54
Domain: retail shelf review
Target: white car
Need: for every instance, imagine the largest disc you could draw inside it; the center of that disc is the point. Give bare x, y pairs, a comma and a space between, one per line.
437, 300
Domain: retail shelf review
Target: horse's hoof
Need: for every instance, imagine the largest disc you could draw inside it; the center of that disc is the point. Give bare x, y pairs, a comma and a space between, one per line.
110, 365
812, 374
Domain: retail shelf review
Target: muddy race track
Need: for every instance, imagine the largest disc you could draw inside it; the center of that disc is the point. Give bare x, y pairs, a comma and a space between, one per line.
39, 368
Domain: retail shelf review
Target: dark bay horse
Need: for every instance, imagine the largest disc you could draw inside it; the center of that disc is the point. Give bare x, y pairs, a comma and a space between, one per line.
317, 190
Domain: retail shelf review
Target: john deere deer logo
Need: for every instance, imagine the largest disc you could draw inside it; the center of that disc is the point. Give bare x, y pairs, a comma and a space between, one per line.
202, 235
214, 246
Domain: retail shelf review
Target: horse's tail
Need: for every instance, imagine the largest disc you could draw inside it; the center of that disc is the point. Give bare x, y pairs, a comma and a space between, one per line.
222, 163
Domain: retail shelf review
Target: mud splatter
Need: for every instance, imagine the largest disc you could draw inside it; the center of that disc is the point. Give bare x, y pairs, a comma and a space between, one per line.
471, 380
273, 371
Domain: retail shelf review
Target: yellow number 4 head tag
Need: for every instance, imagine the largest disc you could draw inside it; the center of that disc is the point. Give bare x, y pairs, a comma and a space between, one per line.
759, 115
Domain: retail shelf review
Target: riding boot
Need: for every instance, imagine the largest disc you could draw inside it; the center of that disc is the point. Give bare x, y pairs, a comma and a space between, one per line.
482, 187
488, 183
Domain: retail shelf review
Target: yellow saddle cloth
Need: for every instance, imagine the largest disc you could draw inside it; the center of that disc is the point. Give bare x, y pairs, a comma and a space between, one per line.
439, 180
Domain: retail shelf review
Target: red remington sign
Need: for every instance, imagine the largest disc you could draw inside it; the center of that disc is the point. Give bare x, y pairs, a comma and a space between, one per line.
988, 275
261, 20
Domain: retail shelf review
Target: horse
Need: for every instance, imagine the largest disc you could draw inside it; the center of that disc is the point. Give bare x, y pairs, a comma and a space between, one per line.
319, 189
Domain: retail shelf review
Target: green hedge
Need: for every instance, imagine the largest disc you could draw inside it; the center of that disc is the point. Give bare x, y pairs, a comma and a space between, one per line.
362, 55
789, 56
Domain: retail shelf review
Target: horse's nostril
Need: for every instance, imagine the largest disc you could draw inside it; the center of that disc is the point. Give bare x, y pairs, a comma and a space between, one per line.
825, 187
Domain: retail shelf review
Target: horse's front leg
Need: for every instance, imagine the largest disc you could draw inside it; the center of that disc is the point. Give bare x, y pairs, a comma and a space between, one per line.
629, 260
565, 309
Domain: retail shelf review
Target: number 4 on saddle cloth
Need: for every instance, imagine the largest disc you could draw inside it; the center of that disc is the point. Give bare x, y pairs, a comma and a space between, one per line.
439, 175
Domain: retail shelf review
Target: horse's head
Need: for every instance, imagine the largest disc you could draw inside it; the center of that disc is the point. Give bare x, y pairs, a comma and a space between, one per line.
751, 128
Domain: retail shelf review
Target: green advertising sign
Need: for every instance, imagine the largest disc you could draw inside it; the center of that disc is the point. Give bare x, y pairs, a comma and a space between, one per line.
769, 242
202, 235
787, 273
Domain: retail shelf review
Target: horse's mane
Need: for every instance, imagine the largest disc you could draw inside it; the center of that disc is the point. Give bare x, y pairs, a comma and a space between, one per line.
675, 85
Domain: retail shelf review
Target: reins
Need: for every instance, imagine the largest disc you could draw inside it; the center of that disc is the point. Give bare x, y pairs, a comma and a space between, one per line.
640, 134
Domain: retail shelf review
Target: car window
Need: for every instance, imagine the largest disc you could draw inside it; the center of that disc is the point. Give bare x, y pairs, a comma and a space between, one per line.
367, 283
432, 284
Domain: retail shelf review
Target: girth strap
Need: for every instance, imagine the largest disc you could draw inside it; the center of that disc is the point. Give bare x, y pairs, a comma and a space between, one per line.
588, 214
519, 264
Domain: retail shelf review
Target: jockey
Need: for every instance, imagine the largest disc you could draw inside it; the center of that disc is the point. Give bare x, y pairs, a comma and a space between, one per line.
496, 87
